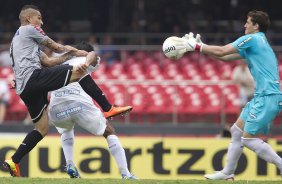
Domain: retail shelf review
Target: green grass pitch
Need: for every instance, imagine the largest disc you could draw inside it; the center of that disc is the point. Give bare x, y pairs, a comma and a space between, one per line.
9, 180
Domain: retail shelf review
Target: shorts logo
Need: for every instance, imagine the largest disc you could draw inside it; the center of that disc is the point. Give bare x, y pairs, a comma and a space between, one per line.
67, 112
253, 116
66, 93
245, 41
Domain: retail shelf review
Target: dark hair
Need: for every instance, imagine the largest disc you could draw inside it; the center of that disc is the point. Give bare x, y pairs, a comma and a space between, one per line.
84, 46
261, 18
30, 6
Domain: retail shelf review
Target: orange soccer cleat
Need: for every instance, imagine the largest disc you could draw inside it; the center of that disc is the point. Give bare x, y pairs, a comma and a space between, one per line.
12, 167
115, 111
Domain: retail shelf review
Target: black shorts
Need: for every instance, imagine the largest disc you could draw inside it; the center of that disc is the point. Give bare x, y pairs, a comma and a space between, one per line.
35, 93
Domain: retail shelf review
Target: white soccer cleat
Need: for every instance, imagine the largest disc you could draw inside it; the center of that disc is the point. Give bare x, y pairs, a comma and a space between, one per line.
72, 171
130, 177
219, 176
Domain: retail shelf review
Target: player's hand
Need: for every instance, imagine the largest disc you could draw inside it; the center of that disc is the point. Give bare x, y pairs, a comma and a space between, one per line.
79, 53
12, 83
193, 43
198, 39
91, 59
199, 42
81, 68
69, 48
188, 36
96, 66
186, 44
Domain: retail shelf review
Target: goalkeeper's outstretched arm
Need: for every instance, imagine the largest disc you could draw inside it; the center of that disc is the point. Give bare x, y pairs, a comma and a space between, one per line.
224, 53
230, 57
219, 51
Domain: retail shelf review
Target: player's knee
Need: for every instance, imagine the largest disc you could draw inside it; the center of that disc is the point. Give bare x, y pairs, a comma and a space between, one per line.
244, 141
109, 131
248, 142
76, 74
42, 129
236, 131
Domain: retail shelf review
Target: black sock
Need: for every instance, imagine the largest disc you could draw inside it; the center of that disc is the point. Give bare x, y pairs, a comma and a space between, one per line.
93, 90
29, 142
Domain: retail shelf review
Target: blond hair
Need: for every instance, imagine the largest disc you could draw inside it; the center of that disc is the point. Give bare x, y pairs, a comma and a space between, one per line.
27, 10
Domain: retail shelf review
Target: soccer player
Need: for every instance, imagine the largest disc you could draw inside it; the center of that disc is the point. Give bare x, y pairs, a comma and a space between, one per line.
33, 82
256, 117
70, 105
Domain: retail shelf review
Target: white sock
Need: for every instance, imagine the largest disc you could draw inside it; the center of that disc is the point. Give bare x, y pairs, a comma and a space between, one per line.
235, 150
263, 150
67, 140
118, 153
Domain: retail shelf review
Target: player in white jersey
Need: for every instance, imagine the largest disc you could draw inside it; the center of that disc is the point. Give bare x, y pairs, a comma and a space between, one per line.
70, 105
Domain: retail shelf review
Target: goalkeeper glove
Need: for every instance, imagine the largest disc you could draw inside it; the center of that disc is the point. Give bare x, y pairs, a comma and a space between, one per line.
192, 43
199, 41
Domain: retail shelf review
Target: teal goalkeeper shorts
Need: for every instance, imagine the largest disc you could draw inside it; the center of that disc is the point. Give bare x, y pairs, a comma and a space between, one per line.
259, 113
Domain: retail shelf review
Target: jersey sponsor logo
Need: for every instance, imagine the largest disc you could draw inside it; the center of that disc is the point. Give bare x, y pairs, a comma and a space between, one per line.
39, 30
245, 41
66, 93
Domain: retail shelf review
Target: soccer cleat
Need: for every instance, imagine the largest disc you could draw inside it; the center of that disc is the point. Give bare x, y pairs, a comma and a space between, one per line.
115, 111
130, 177
219, 176
13, 168
72, 171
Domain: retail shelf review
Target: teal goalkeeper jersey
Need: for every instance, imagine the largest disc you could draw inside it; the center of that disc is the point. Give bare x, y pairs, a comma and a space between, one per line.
262, 62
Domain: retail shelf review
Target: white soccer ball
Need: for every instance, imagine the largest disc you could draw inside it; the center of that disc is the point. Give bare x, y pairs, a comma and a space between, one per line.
171, 49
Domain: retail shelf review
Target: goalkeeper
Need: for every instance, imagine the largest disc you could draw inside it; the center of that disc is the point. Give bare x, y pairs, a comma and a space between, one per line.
256, 117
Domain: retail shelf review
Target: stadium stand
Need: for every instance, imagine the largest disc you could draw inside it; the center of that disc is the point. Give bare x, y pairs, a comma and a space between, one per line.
191, 89
160, 98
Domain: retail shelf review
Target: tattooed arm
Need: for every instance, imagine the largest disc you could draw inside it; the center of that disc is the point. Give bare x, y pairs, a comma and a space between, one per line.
56, 47
52, 61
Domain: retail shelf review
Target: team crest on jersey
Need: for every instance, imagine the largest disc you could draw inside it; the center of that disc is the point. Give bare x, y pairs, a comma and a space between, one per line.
244, 41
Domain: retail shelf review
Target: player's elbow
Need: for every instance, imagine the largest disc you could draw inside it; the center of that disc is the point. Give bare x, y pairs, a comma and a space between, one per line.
48, 63
59, 50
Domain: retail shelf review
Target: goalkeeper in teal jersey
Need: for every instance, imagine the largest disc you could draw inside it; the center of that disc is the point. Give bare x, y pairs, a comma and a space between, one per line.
257, 116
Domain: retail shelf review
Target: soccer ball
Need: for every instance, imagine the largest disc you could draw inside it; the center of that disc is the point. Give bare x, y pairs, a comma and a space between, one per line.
170, 49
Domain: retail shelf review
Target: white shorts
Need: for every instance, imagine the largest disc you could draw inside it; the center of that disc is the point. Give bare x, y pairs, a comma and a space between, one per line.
65, 115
